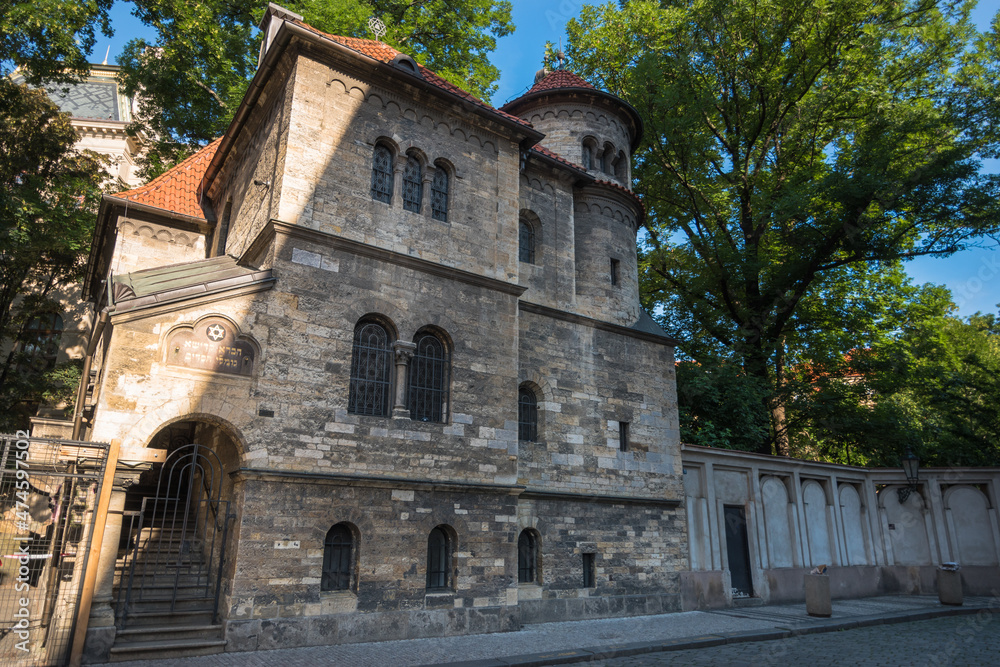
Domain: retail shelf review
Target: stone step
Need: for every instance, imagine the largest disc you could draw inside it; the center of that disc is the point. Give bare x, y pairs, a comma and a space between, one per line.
167, 650
165, 618
748, 602
151, 633
162, 603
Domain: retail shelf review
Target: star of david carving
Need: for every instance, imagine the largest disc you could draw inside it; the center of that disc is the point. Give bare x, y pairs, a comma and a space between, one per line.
216, 332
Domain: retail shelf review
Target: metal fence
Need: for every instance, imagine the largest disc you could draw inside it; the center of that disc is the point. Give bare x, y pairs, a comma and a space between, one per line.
48, 497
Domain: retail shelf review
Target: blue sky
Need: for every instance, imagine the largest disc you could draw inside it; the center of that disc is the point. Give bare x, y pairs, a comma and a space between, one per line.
972, 275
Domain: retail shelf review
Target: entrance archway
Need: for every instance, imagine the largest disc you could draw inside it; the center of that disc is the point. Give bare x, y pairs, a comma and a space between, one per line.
177, 525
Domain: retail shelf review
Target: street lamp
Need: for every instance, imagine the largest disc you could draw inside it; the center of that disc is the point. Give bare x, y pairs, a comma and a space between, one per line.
911, 467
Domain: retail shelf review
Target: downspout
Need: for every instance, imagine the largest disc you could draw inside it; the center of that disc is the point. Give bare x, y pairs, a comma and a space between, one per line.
81, 394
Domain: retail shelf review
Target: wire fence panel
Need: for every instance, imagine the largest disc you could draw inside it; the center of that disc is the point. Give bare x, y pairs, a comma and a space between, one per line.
48, 500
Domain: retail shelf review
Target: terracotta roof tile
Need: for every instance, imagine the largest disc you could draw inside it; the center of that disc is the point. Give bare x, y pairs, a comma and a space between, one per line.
386, 54
559, 78
176, 189
542, 150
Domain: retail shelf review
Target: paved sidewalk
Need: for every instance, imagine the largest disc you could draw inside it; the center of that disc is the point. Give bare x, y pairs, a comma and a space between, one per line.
559, 643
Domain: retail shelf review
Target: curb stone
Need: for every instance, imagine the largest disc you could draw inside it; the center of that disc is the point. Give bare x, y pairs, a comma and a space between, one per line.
707, 641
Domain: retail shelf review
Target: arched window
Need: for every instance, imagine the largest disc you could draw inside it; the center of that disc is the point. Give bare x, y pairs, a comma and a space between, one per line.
382, 174
439, 194
607, 158
527, 415
438, 559
371, 365
621, 166
527, 557
526, 242
338, 559
429, 380
413, 184
41, 341
589, 152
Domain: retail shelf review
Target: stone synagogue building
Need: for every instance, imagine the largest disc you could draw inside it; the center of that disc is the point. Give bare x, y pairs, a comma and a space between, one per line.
389, 341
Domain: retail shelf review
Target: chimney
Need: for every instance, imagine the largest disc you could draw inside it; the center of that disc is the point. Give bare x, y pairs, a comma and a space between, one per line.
274, 16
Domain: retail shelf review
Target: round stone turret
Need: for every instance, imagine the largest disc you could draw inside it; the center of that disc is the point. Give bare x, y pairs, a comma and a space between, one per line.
584, 125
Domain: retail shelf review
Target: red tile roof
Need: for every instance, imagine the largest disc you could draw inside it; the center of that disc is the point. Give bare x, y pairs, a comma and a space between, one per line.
176, 189
542, 150
386, 54
560, 78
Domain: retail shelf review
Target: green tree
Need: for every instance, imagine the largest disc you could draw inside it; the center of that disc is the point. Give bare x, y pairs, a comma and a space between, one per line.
49, 194
790, 143
50, 39
191, 79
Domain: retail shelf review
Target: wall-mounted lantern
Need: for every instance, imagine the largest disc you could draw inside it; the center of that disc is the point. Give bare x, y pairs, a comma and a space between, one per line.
911, 468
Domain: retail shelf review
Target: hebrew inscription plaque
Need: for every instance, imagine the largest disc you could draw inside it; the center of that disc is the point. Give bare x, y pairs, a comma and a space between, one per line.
210, 346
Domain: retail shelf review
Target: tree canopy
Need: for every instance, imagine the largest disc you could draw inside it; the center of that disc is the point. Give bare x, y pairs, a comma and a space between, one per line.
191, 78
795, 153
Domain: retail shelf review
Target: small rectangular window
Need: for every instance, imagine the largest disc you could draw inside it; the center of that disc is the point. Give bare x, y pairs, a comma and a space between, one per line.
614, 271
623, 436
588, 571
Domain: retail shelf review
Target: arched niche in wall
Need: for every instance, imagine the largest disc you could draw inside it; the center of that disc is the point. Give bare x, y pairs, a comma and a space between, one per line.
214, 344
907, 529
817, 526
776, 526
854, 537
970, 516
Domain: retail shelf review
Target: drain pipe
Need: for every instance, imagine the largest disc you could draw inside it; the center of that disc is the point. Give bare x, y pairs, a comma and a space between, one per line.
81, 394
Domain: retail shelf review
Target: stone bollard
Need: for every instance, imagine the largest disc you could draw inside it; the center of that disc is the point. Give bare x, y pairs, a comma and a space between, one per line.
949, 584
817, 588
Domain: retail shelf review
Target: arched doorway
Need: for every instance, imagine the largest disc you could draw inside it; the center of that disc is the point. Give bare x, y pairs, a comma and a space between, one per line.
177, 527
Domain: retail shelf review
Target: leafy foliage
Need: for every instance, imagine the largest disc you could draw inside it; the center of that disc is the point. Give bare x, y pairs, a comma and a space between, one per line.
49, 195
794, 154
50, 39
189, 83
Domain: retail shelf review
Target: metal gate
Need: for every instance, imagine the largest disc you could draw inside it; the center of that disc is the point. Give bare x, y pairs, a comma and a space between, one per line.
176, 540
48, 500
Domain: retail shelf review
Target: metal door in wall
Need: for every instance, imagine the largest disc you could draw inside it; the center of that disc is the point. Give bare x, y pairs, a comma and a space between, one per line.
738, 550
177, 539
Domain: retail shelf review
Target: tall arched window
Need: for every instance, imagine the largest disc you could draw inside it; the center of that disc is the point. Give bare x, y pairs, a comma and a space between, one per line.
429, 379
527, 557
607, 158
338, 559
527, 415
526, 242
621, 165
589, 152
382, 174
438, 559
439, 194
413, 184
371, 366
41, 341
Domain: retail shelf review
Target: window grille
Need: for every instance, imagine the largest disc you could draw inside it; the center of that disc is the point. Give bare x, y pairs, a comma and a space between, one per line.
371, 364
437, 559
527, 558
428, 380
413, 185
439, 195
588, 157
382, 175
337, 559
526, 243
527, 415
589, 578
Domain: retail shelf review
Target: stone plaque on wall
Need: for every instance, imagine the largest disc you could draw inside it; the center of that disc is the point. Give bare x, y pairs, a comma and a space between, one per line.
210, 346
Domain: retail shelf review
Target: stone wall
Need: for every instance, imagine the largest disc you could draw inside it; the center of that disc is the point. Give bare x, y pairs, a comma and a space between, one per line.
801, 514
546, 203
587, 380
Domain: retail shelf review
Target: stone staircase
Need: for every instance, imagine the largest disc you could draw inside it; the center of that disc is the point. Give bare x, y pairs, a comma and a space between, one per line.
170, 610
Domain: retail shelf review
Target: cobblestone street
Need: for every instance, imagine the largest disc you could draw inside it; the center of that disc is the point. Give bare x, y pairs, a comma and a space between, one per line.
961, 640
